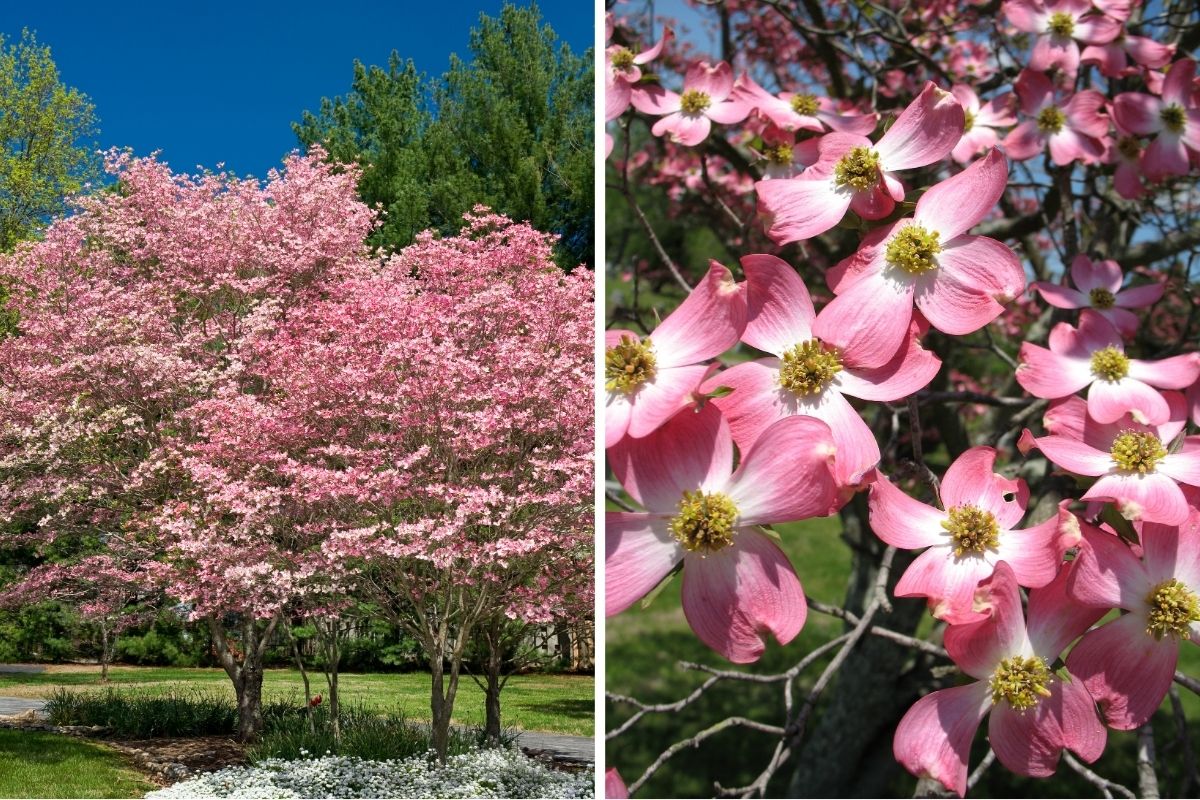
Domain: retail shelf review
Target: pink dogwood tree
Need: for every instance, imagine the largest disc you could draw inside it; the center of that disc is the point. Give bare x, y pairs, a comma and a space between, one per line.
217, 379
985, 290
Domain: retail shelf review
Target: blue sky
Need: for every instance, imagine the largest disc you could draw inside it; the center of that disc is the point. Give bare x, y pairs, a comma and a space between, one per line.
218, 81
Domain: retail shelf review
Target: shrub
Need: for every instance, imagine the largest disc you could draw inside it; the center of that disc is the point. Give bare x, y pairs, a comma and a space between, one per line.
144, 715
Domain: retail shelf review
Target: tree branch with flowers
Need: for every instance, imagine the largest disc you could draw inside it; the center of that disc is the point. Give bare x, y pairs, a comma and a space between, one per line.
937, 279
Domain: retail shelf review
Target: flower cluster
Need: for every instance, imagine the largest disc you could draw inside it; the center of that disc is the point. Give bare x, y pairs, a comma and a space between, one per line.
761, 398
483, 773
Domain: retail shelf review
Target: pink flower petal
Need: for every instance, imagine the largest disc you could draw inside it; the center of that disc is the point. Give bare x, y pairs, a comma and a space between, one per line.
779, 309
728, 112
1030, 742
1106, 574
1024, 141
654, 100
870, 319
1050, 51
957, 204
683, 129
1032, 552
1140, 296
1103, 274
978, 647
934, 737
1177, 86
733, 598
1125, 670
1108, 401
756, 402
970, 481
974, 277
795, 209
617, 411
691, 451
715, 80
1183, 466
1152, 497
639, 551
1060, 296
1025, 15
1074, 456
660, 399
1035, 91
855, 445
709, 321
903, 521
1171, 551
1069, 145
1124, 321
909, 371
614, 787
1096, 29
1137, 113
1177, 372
787, 474
1055, 618
1165, 156
926, 131
949, 581
1148, 52
1044, 373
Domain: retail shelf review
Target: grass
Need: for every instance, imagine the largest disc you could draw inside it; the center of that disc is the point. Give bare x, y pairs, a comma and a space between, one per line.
643, 648
34, 764
554, 703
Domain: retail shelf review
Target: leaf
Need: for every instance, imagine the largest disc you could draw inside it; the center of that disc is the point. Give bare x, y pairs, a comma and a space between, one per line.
1122, 526
653, 593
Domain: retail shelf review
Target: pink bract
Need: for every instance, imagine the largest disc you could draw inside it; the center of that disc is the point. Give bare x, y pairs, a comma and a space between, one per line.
1060, 25
1035, 713
687, 118
1092, 356
739, 586
779, 321
854, 174
1128, 664
1151, 491
1071, 126
958, 282
671, 358
1098, 286
620, 82
1173, 120
979, 134
967, 540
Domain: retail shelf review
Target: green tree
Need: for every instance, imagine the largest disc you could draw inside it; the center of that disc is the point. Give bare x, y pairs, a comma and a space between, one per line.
509, 127
43, 125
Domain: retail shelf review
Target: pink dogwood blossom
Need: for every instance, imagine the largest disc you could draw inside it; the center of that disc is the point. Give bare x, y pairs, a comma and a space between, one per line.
687, 118
1035, 712
622, 71
1071, 126
979, 129
1127, 664
1098, 286
648, 380
795, 111
1113, 57
1092, 356
854, 174
1137, 471
958, 282
965, 542
1060, 26
806, 375
1173, 120
738, 586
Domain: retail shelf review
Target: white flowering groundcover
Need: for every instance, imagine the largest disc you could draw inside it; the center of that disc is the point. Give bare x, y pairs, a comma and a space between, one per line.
479, 773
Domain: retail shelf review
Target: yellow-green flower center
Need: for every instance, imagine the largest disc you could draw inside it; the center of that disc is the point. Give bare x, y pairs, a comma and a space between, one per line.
1173, 609
1173, 117
628, 365
859, 169
779, 154
1061, 24
1102, 298
808, 367
913, 249
1021, 681
972, 529
694, 101
1137, 451
706, 521
804, 104
1110, 364
1051, 120
1129, 147
622, 59
968, 120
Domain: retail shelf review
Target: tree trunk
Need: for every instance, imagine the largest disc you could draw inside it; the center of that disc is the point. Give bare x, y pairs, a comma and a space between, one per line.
249, 698
245, 672
105, 653
847, 752
566, 655
308, 706
441, 706
495, 662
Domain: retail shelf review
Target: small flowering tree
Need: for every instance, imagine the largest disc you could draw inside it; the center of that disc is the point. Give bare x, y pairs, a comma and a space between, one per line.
946, 246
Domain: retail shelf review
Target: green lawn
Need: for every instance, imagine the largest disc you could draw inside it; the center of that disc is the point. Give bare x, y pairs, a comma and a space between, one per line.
557, 703
36, 764
644, 646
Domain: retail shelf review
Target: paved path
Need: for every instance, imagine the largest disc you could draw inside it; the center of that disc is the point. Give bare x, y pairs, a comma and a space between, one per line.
579, 748
19, 705
31, 669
